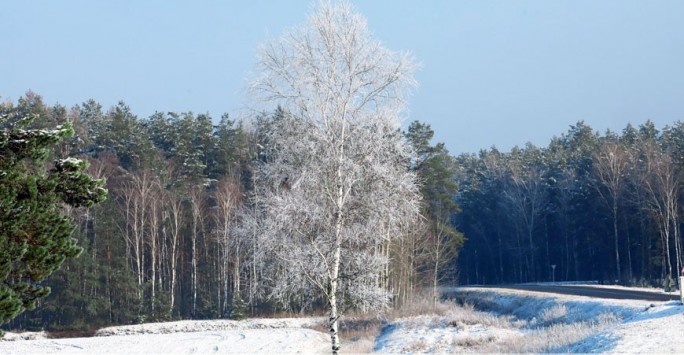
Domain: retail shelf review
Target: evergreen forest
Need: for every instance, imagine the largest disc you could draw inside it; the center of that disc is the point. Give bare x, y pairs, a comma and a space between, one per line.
172, 240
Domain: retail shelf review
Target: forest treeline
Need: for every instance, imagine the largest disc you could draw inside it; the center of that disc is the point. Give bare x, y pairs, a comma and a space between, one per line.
174, 241
589, 206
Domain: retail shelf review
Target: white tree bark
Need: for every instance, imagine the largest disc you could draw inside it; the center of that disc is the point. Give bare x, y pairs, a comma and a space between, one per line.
137, 196
227, 199
155, 218
197, 200
174, 213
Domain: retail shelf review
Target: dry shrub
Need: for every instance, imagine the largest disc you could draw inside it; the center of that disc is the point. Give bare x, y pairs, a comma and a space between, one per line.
557, 337
553, 315
421, 303
360, 331
553, 338
357, 331
23, 335
475, 343
418, 346
57, 334
360, 346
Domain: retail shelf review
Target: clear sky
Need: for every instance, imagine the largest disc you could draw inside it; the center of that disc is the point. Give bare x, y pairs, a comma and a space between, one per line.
493, 72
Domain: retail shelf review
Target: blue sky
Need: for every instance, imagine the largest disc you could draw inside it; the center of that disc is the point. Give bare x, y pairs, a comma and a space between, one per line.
493, 72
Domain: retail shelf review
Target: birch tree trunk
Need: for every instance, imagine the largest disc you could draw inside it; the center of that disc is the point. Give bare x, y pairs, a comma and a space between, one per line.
197, 202
175, 213
155, 225
226, 203
137, 196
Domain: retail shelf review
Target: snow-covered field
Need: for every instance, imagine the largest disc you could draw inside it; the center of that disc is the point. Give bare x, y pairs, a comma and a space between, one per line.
523, 322
258, 336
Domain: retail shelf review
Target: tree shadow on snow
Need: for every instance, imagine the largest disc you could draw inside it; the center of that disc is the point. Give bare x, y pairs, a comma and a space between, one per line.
381, 340
597, 343
658, 311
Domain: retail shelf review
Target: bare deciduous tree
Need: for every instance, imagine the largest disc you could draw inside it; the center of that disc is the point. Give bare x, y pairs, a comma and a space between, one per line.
137, 196
610, 165
197, 197
661, 181
525, 199
338, 184
227, 203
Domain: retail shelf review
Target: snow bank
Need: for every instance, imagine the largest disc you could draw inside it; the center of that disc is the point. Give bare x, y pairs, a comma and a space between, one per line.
10, 336
189, 326
531, 305
656, 330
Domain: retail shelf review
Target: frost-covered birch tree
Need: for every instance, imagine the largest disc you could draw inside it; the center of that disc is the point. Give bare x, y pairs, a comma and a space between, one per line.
336, 184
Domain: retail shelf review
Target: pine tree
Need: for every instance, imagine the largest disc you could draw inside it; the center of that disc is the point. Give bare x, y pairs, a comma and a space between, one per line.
35, 237
436, 170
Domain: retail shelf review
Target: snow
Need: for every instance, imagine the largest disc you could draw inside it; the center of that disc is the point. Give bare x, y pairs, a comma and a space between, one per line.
69, 160
642, 326
656, 330
425, 334
597, 285
261, 341
209, 325
534, 321
263, 336
24, 336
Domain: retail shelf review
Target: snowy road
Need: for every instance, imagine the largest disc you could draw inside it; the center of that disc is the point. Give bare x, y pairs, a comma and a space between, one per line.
595, 292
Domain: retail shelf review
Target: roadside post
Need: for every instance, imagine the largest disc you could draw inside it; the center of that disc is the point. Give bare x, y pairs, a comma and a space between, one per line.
681, 279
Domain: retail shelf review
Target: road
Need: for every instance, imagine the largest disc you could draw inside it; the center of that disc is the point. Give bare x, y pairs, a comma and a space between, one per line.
596, 292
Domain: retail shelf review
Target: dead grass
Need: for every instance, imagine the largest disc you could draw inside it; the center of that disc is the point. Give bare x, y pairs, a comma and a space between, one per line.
57, 334
553, 315
550, 329
357, 331
553, 338
422, 303
471, 330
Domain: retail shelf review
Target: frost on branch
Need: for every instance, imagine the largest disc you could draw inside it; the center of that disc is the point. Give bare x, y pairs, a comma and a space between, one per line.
336, 187
75, 187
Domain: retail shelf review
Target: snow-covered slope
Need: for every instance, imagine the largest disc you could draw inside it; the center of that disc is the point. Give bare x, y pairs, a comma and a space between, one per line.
655, 330
616, 325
